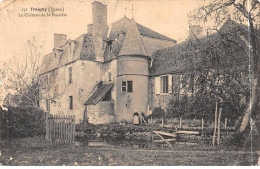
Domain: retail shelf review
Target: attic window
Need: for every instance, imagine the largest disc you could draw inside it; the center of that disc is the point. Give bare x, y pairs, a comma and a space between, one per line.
109, 45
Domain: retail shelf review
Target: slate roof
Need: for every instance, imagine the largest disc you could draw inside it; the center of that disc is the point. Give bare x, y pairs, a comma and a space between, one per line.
83, 49
99, 94
120, 27
132, 44
188, 55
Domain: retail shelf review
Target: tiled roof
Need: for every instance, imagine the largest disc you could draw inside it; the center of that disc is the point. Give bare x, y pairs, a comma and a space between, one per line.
132, 44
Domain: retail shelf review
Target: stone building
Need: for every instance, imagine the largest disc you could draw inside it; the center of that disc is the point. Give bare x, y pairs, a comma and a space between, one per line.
111, 72
175, 70
103, 75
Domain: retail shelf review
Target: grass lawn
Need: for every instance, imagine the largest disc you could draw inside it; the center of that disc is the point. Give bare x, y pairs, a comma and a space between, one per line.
36, 151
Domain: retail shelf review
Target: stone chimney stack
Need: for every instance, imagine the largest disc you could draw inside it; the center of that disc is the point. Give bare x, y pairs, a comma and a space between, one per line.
195, 31
59, 40
90, 29
99, 19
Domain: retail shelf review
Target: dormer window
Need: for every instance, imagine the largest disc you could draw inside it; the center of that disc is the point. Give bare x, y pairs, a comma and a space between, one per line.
109, 45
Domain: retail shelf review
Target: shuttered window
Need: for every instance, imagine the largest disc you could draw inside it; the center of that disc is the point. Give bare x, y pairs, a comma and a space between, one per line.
163, 84
157, 85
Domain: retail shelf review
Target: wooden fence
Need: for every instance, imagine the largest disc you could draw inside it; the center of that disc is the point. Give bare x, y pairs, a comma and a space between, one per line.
60, 129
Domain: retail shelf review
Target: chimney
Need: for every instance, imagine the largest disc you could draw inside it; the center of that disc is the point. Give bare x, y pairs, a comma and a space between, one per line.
90, 29
59, 40
99, 19
195, 31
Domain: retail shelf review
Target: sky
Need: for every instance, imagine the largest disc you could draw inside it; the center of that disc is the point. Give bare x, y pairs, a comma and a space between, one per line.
168, 17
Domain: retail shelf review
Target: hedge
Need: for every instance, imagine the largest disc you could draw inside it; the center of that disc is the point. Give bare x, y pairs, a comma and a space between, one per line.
20, 122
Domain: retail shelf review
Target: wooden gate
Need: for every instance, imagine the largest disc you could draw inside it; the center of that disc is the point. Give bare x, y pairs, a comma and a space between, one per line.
60, 129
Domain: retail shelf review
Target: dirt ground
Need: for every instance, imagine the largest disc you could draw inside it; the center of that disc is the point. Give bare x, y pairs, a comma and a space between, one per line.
37, 152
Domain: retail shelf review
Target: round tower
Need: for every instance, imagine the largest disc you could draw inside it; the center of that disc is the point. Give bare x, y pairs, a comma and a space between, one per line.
132, 76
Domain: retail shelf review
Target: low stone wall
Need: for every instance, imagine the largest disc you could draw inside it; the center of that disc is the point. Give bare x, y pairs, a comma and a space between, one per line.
101, 113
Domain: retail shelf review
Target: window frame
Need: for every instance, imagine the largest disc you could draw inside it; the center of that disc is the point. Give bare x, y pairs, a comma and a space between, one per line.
164, 87
70, 75
48, 106
126, 86
70, 102
56, 88
46, 82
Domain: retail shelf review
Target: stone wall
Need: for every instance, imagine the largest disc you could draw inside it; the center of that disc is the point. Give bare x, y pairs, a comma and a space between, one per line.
101, 113
163, 99
85, 76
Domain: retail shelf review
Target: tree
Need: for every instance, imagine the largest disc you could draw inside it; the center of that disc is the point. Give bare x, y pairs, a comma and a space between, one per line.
243, 11
21, 77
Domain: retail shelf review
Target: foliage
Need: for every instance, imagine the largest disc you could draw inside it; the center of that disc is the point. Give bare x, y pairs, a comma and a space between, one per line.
20, 122
158, 112
247, 12
21, 75
201, 106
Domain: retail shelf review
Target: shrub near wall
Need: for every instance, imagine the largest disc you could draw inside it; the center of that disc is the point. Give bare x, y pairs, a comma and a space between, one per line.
22, 122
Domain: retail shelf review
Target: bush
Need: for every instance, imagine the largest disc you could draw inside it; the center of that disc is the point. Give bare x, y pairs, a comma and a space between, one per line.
158, 112
22, 122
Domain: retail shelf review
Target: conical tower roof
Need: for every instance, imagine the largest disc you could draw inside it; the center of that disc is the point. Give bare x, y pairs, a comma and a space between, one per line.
132, 44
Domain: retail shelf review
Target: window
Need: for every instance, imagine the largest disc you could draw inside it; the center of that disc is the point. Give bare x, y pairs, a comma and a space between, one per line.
109, 76
124, 86
164, 81
55, 90
46, 82
70, 102
47, 105
163, 84
127, 86
70, 75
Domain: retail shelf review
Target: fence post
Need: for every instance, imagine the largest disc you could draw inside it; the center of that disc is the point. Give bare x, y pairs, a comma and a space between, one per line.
215, 124
180, 122
73, 130
70, 129
218, 140
225, 123
202, 124
50, 120
47, 126
54, 129
66, 130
